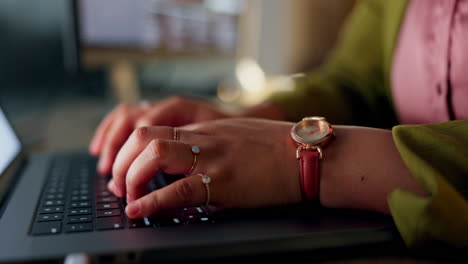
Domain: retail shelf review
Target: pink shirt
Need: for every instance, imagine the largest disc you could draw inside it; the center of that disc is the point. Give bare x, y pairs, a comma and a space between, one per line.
430, 65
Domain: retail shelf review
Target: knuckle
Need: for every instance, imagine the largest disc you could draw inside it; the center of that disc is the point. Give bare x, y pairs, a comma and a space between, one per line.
141, 134
155, 148
184, 191
123, 120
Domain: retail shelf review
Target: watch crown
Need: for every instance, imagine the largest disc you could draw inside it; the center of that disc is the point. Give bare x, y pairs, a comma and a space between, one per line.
314, 118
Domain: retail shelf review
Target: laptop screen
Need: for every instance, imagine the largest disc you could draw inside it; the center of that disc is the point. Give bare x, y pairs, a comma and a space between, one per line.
10, 145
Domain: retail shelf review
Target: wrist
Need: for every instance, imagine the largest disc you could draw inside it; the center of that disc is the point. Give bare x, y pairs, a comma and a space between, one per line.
361, 168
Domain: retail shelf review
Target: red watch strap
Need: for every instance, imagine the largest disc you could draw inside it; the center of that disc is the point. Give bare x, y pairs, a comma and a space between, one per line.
309, 166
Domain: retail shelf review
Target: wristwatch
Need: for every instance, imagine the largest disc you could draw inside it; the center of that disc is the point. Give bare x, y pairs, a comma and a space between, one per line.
311, 135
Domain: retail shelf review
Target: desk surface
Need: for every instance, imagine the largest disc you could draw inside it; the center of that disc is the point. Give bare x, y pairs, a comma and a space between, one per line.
60, 126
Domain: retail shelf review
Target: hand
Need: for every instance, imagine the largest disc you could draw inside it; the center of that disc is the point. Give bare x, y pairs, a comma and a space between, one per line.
119, 124
251, 163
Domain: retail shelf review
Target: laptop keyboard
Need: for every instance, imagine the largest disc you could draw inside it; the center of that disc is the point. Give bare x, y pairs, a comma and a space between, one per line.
76, 199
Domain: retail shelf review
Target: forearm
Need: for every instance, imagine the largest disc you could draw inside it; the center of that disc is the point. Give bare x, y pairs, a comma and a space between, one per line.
360, 168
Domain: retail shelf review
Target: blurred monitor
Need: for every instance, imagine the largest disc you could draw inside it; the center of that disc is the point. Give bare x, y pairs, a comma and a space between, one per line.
52, 36
159, 27
173, 46
39, 39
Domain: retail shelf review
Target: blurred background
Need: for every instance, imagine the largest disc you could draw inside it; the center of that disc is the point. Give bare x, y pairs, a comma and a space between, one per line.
64, 64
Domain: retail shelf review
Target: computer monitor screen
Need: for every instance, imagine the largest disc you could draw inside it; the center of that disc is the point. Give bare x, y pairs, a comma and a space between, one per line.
37, 41
160, 25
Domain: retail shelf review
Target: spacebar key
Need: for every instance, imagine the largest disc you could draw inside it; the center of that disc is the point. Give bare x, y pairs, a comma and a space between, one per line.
107, 223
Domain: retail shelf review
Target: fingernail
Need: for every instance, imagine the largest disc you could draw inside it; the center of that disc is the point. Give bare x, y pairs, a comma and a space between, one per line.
133, 209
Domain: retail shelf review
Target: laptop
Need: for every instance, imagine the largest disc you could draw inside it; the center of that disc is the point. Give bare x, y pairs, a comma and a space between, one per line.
54, 205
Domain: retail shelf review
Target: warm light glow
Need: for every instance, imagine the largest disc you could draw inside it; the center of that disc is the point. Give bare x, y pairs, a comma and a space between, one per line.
250, 76
281, 84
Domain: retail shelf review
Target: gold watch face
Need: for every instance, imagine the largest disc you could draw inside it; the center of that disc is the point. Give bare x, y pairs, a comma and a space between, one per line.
311, 131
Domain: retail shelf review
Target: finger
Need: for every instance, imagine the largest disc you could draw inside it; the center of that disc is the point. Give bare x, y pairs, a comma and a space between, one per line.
172, 157
136, 143
189, 191
98, 138
111, 186
113, 141
170, 112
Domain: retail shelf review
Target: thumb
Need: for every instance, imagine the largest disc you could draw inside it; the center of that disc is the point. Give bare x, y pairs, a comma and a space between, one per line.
186, 192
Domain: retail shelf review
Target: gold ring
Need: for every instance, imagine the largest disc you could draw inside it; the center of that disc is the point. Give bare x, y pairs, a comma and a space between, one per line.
176, 134
206, 180
195, 152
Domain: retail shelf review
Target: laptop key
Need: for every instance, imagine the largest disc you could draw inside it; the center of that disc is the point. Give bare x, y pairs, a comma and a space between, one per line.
205, 219
136, 223
107, 213
192, 210
75, 198
168, 221
80, 219
49, 217
107, 206
47, 228
52, 209
82, 227
79, 204
51, 190
107, 199
103, 193
198, 219
50, 196
189, 219
107, 223
80, 211
54, 202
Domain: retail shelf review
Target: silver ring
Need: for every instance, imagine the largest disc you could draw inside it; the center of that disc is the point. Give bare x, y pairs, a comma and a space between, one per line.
195, 152
206, 181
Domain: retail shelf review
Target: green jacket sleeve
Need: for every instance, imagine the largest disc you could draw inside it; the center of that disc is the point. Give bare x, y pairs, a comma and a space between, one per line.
437, 155
351, 87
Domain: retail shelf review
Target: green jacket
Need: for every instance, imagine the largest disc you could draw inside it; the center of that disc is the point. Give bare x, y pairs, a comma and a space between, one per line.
356, 77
